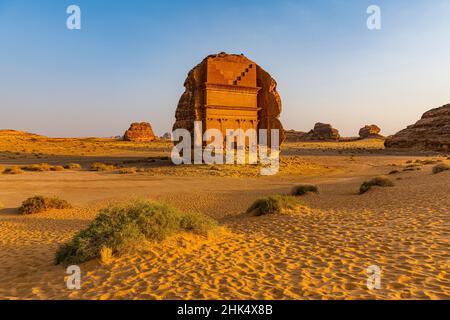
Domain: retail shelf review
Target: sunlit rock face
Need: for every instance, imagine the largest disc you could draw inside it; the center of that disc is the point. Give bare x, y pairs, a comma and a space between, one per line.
370, 131
431, 132
322, 131
139, 132
229, 91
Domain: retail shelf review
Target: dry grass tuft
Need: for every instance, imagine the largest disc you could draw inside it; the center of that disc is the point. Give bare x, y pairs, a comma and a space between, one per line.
378, 181
105, 255
304, 189
276, 204
440, 168
39, 204
72, 166
97, 166
130, 170
13, 170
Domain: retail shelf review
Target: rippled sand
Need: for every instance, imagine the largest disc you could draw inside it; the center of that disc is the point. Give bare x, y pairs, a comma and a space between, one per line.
320, 253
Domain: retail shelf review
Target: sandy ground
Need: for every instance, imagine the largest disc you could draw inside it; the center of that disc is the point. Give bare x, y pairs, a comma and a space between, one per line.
321, 253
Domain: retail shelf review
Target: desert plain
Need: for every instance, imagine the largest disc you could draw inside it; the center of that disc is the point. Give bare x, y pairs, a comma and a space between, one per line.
320, 252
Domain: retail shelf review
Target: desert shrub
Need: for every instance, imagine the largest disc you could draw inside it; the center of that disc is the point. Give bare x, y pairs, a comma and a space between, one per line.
440, 168
428, 161
129, 170
39, 204
123, 228
13, 170
394, 172
37, 167
72, 166
303, 189
412, 169
378, 181
97, 166
56, 168
276, 204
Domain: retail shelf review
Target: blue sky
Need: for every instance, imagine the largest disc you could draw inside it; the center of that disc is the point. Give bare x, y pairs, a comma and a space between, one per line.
130, 59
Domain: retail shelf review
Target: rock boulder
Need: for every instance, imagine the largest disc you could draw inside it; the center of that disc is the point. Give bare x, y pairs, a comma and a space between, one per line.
139, 132
431, 132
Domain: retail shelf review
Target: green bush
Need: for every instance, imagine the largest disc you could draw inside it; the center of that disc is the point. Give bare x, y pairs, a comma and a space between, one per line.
304, 189
440, 168
378, 181
276, 204
123, 228
39, 204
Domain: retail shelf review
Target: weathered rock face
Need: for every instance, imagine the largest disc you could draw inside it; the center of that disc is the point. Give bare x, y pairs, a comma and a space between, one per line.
228, 91
139, 132
322, 131
166, 136
431, 132
370, 131
294, 136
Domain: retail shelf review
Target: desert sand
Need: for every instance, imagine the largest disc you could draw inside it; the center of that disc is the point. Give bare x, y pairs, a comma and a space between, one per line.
321, 252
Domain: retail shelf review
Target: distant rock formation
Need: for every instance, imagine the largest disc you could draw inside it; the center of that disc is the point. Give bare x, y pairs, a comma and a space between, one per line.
166, 136
370, 131
294, 136
229, 91
431, 132
139, 132
322, 131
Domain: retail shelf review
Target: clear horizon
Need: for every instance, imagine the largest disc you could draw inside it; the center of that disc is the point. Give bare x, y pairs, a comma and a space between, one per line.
129, 61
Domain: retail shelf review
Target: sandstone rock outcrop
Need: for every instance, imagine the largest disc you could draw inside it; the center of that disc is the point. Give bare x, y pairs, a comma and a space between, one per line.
294, 136
166, 136
322, 131
431, 132
229, 91
370, 131
139, 132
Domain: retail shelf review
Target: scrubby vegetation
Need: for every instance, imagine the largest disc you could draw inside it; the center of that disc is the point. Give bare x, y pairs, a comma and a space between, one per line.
129, 170
56, 168
13, 170
378, 181
276, 204
97, 166
124, 228
303, 189
39, 204
72, 166
440, 168
37, 167
394, 172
